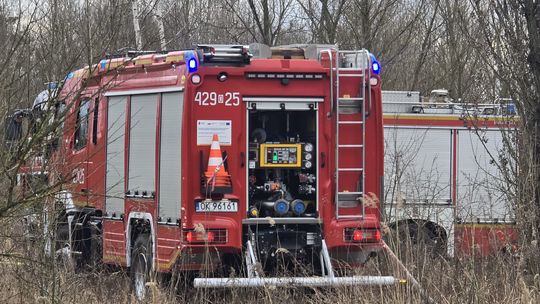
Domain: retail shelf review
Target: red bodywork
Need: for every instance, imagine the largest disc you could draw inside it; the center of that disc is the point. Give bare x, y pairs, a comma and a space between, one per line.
486, 239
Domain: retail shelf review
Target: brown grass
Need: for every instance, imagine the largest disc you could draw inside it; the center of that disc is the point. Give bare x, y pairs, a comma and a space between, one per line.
29, 276
33, 278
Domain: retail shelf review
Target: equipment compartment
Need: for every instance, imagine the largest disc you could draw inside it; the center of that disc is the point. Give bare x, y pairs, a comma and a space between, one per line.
282, 163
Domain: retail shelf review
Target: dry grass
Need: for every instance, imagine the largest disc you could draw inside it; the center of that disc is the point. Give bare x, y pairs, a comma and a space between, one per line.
466, 280
28, 276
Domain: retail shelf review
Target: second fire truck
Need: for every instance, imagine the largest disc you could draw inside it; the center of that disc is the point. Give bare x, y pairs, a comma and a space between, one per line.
443, 180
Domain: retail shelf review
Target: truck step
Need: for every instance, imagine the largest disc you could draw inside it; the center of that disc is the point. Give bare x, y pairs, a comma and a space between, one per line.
351, 169
350, 193
351, 216
350, 98
350, 146
351, 75
351, 122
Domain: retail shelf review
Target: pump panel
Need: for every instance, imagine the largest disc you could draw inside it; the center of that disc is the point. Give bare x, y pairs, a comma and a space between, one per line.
281, 155
282, 162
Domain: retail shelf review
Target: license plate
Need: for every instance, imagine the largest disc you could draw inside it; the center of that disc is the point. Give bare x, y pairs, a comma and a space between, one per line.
216, 206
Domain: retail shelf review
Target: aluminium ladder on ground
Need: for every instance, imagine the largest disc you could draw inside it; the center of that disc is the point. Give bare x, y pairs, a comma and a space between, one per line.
353, 64
328, 277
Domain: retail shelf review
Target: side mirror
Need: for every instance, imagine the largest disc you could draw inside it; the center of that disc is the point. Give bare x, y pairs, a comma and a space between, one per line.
13, 128
16, 125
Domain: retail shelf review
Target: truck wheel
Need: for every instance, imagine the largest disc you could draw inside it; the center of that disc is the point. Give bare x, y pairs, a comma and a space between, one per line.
141, 265
420, 240
62, 248
96, 248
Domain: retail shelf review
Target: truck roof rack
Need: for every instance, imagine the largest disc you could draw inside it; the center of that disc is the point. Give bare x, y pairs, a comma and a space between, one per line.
224, 54
131, 53
311, 51
289, 51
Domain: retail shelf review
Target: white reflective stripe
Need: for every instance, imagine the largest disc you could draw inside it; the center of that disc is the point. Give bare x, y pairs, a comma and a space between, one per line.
215, 146
283, 99
144, 91
214, 161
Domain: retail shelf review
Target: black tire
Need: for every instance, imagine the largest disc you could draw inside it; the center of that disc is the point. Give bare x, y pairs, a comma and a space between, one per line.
420, 240
62, 237
141, 266
96, 248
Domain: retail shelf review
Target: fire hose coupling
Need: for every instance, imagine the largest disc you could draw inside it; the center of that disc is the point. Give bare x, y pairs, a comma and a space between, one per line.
281, 207
298, 207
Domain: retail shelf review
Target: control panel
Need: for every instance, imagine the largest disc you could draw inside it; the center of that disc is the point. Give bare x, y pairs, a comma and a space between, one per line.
280, 155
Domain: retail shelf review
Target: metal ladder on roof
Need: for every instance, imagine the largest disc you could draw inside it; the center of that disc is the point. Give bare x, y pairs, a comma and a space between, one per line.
351, 110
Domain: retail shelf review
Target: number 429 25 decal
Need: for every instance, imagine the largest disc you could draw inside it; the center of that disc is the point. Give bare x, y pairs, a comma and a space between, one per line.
230, 99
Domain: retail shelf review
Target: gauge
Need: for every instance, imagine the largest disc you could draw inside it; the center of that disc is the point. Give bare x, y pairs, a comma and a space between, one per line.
308, 164
308, 147
307, 156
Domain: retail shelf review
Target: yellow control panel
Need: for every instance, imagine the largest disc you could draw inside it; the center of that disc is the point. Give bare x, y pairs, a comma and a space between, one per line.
280, 155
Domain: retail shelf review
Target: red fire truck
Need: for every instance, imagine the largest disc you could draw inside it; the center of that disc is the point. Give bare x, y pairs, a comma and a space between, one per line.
220, 157
443, 164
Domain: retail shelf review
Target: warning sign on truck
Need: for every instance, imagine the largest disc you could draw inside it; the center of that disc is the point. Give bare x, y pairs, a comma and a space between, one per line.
207, 128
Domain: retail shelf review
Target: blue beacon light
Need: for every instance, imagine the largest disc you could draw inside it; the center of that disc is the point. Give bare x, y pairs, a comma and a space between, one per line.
375, 66
191, 62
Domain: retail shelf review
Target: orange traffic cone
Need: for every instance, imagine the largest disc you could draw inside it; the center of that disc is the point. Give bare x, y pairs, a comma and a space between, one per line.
215, 172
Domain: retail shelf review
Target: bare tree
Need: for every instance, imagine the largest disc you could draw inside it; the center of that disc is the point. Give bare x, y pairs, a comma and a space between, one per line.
266, 20
324, 18
44, 41
509, 42
428, 39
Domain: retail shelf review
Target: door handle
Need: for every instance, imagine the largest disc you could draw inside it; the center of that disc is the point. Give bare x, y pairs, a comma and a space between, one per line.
242, 159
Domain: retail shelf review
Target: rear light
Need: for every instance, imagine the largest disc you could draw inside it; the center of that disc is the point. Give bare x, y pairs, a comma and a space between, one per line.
215, 236
378, 235
189, 236
358, 235
210, 236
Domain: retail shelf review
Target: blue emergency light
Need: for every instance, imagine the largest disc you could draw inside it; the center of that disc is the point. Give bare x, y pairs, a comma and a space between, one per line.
375, 66
191, 62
